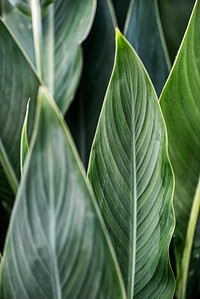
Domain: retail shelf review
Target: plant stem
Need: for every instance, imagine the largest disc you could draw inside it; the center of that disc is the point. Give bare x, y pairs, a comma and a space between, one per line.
37, 34
8, 169
189, 242
50, 48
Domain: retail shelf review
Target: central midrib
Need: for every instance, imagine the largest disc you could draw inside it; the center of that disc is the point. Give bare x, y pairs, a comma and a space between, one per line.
133, 208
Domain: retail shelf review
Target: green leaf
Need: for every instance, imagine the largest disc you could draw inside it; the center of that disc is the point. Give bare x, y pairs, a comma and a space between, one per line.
144, 31
25, 5
18, 83
57, 246
132, 178
24, 140
181, 108
174, 15
59, 54
98, 52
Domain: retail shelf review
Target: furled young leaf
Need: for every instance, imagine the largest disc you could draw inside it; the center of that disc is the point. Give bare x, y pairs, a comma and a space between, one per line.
174, 15
143, 30
65, 26
24, 140
57, 246
18, 83
181, 107
98, 61
25, 5
132, 178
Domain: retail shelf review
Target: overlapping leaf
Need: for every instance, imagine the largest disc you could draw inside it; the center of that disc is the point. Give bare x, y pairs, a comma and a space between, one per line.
18, 83
65, 26
143, 30
56, 245
181, 107
132, 178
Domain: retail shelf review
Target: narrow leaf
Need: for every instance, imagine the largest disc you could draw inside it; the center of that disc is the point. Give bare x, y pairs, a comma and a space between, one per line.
99, 50
18, 82
181, 107
57, 246
144, 31
24, 140
132, 178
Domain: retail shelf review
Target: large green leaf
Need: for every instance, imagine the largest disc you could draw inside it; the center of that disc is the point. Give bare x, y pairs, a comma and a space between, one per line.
98, 61
65, 26
132, 178
181, 107
18, 83
57, 246
143, 30
174, 15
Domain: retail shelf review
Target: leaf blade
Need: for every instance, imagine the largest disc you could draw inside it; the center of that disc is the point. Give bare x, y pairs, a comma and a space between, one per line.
63, 240
70, 21
181, 109
14, 93
122, 182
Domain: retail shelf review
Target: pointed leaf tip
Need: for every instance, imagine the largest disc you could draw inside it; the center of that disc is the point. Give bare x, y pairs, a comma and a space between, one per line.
118, 32
120, 39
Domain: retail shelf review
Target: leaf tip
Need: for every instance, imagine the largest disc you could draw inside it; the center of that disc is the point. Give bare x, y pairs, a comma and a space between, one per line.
120, 39
118, 33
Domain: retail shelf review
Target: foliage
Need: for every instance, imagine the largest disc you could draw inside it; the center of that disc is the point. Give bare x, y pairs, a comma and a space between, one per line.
105, 234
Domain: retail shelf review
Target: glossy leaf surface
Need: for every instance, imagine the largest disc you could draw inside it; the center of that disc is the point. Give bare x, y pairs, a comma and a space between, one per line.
18, 83
181, 107
143, 30
132, 178
65, 26
98, 53
56, 244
